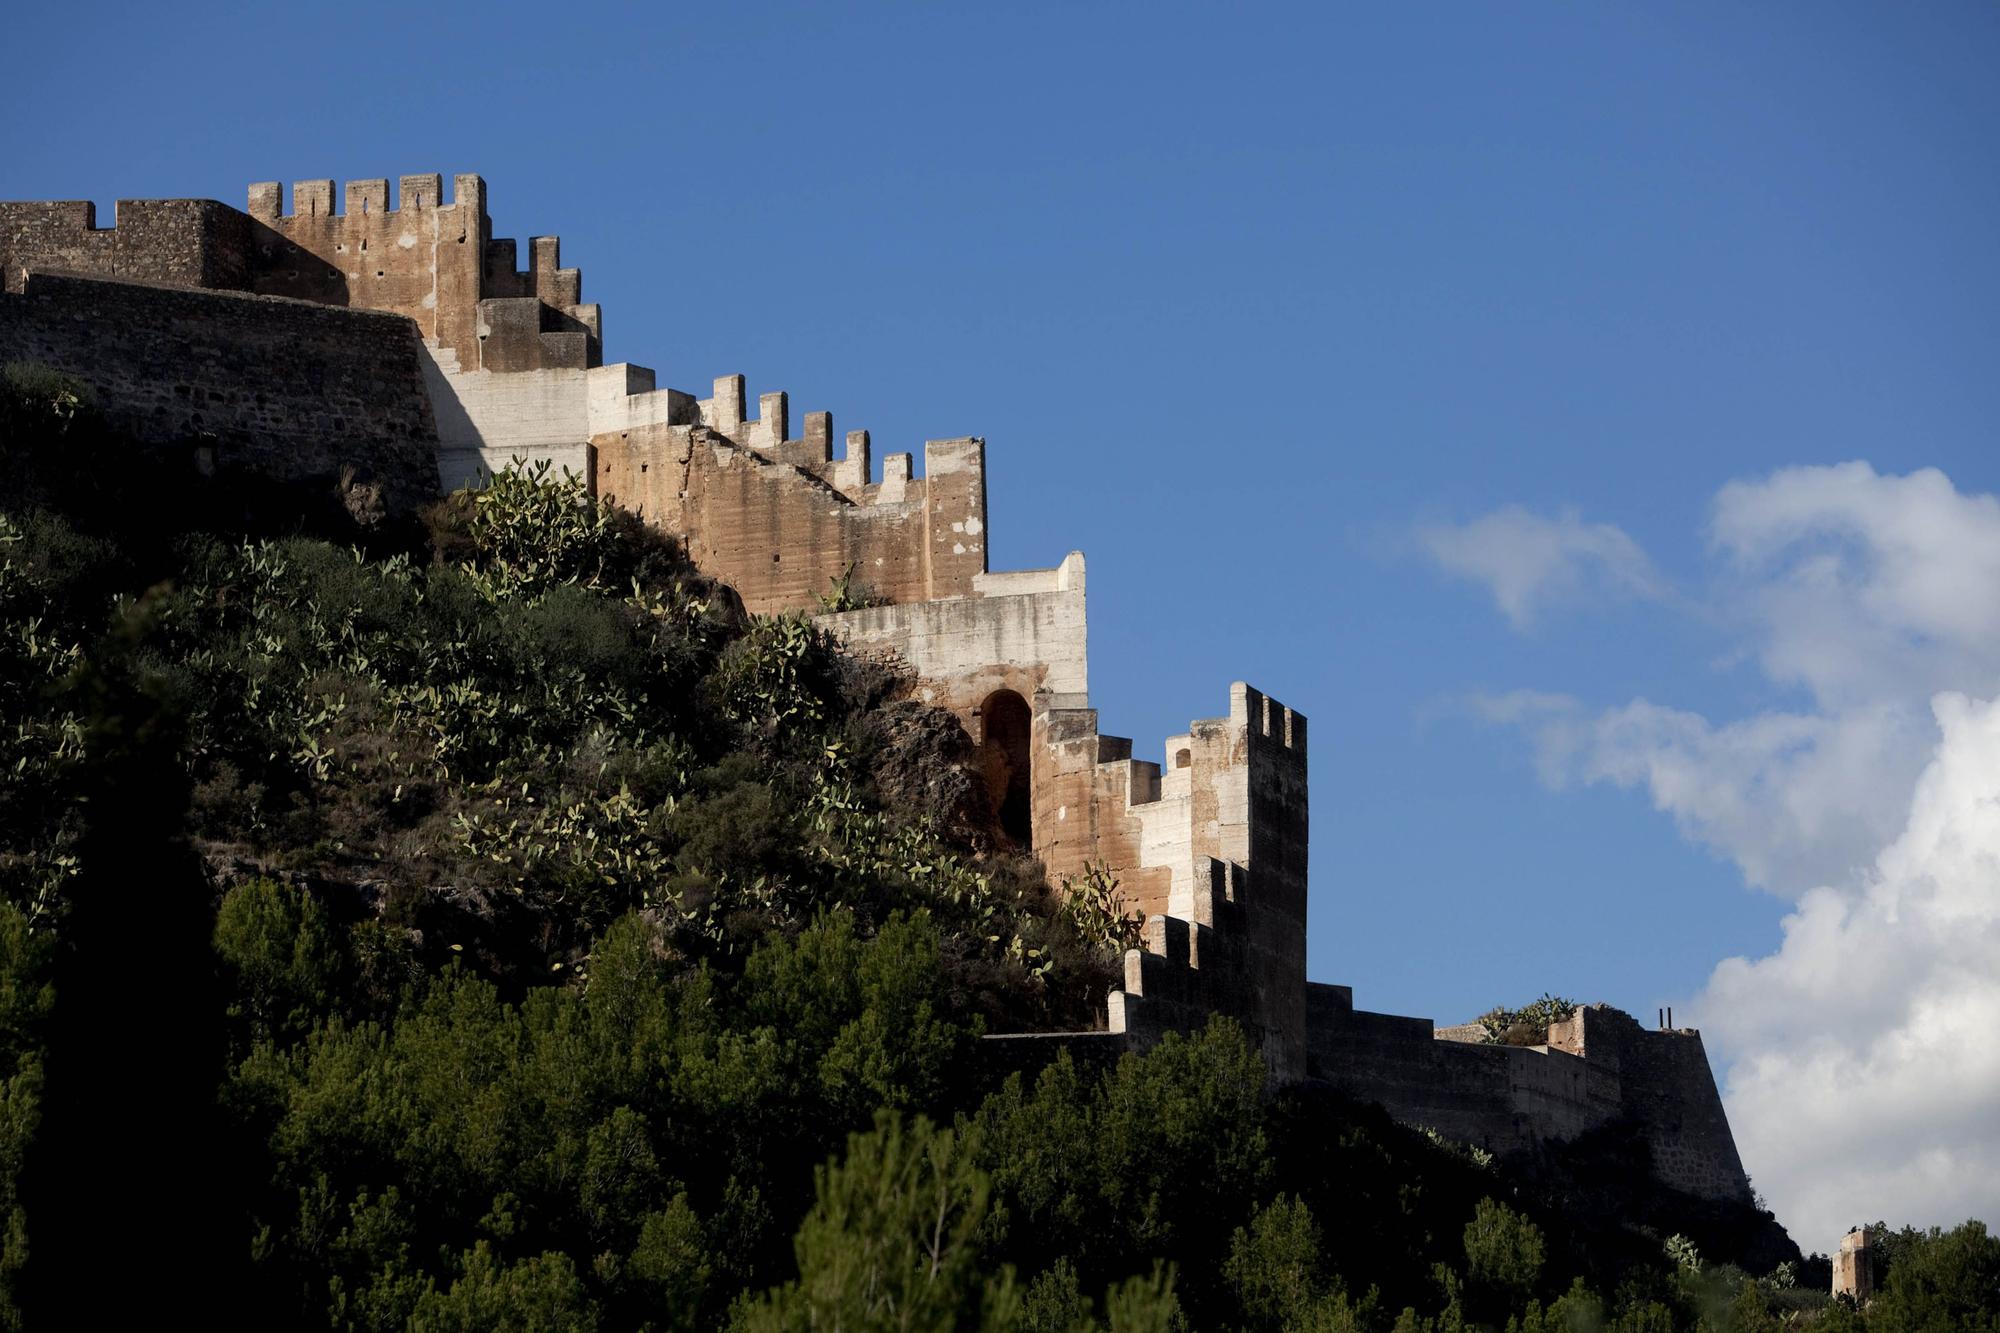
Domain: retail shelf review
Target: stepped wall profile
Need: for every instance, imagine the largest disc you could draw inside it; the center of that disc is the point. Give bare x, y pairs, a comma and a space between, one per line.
394, 335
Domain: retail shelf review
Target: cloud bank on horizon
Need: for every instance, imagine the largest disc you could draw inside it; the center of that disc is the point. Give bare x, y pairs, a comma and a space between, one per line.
1863, 1056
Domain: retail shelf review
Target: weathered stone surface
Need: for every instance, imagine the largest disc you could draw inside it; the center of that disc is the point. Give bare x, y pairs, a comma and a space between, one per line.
1854, 1266
287, 389
1599, 1067
187, 242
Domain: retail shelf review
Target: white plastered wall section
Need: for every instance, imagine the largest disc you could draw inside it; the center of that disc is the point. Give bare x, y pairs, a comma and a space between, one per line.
1030, 619
485, 420
1167, 832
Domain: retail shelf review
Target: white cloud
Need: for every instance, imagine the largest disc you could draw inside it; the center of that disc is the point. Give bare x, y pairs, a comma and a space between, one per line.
1529, 562
1866, 1073
1795, 799
1860, 586
1864, 1055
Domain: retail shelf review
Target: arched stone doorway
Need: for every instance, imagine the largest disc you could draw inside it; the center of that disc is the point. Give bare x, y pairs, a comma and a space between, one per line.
1005, 726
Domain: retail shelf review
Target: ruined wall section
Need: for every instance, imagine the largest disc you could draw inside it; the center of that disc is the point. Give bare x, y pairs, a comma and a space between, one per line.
186, 242
286, 389
432, 261
1854, 1266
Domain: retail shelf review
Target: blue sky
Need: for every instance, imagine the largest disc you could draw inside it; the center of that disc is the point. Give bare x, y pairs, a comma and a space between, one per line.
1264, 308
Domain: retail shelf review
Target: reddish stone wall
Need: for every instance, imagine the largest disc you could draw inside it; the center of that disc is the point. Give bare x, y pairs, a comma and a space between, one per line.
1085, 786
780, 535
430, 260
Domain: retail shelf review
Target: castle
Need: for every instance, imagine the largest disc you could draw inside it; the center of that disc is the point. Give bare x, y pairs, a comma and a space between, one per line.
396, 346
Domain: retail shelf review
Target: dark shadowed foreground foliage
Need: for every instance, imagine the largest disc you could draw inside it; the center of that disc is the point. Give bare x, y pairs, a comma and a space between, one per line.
485, 926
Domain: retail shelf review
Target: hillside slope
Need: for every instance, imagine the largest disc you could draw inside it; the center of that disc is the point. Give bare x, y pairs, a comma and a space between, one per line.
485, 925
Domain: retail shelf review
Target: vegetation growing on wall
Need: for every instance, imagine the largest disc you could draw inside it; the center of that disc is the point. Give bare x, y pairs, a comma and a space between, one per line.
1525, 1027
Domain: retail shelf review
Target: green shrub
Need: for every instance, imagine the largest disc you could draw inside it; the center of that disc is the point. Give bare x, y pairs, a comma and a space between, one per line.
1525, 1027
39, 403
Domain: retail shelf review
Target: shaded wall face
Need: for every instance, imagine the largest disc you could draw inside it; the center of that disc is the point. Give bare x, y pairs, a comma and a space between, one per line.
1601, 1068
1669, 1088
1277, 833
293, 392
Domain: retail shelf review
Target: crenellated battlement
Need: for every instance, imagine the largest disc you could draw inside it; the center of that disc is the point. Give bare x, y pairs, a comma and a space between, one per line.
769, 433
1260, 716
432, 259
420, 193
1207, 847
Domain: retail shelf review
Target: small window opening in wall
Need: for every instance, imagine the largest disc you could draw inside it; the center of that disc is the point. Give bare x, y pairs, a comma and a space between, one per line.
378, 272
774, 557
1182, 758
644, 466
364, 247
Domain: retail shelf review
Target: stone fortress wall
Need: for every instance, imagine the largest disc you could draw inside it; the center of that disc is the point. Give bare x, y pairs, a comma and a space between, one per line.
1597, 1068
285, 389
1208, 847
186, 242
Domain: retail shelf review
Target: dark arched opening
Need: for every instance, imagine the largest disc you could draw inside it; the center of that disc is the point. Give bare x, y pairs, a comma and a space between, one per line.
1003, 757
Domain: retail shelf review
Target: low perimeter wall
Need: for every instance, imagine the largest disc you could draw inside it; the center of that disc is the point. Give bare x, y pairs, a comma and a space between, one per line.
1598, 1068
